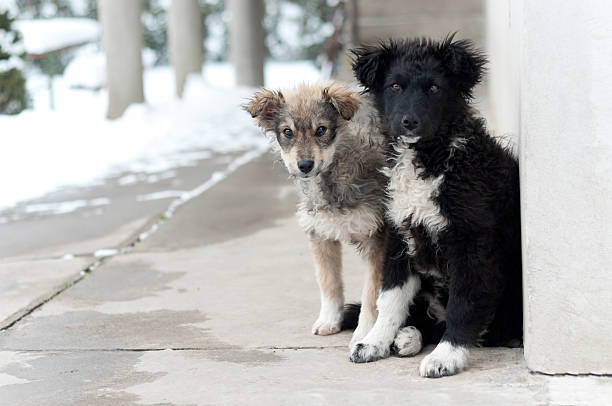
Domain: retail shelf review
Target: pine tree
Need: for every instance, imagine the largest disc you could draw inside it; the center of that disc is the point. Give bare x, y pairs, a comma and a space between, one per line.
13, 95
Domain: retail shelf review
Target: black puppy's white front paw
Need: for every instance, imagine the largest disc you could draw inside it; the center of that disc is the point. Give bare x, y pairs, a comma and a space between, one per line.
408, 342
363, 352
445, 360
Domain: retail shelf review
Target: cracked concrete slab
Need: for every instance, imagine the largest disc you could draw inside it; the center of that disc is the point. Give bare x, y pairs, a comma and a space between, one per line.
279, 377
38, 246
69, 378
216, 296
25, 284
313, 377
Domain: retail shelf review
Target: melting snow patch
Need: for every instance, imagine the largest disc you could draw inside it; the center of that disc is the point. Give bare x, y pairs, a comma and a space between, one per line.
164, 194
164, 175
107, 252
145, 234
56, 208
64, 207
127, 180
6, 379
100, 201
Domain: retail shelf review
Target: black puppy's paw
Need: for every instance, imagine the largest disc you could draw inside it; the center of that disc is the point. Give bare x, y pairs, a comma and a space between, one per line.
408, 342
445, 360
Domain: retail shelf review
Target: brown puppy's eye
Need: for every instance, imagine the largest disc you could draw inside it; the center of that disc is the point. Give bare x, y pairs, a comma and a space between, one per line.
434, 89
288, 133
320, 131
396, 87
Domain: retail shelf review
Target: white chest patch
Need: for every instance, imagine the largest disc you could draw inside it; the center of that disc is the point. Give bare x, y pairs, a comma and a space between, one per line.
412, 197
348, 225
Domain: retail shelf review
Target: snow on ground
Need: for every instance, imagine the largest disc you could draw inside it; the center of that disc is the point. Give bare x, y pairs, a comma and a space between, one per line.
45, 149
44, 35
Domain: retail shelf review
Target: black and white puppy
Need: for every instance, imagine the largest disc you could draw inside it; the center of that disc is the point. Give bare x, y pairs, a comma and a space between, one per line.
453, 196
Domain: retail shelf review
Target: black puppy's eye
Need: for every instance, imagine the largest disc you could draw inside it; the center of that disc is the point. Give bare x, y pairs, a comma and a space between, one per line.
433, 89
396, 87
320, 131
288, 133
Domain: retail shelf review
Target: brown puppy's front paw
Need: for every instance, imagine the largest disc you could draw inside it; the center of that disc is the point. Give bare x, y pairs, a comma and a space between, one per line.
326, 327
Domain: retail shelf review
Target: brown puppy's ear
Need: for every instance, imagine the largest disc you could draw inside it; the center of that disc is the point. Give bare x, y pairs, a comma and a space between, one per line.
264, 107
342, 99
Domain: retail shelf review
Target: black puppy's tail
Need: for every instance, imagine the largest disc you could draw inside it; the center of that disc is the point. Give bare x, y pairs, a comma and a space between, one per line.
351, 316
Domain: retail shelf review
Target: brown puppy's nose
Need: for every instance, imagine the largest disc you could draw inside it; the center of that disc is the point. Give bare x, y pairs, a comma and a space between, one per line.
305, 165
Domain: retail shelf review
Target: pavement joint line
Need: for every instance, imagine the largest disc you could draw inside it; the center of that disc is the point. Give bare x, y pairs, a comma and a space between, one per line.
34, 306
214, 179
187, 349
591, 374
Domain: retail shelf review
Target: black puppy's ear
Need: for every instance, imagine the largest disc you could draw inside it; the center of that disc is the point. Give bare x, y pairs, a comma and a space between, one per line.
465, 63
264, 107
344, 101
370, 63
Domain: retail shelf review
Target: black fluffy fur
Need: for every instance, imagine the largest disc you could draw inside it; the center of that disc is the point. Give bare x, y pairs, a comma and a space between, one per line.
478, 253
350, 317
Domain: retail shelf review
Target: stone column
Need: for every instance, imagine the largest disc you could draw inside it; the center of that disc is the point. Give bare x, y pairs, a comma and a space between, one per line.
185, 40
566, 162
559, 57
247, 46
122, 40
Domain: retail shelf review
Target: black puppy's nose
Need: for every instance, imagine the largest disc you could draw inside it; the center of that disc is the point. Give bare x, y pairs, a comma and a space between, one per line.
409, 123
305, 165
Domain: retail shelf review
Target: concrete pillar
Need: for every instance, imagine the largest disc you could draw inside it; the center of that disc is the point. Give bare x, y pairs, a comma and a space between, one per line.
185, 38
566, 161
562, 112
122, 40
247, 46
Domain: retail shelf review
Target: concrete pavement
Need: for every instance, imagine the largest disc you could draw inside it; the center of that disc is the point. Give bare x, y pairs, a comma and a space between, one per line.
47, 243
215, 308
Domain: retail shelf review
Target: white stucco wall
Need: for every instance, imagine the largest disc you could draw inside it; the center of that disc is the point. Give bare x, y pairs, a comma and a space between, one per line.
563, 112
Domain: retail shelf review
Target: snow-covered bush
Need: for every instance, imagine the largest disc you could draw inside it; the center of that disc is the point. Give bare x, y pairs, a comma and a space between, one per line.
297, 29
13, 95
34, 9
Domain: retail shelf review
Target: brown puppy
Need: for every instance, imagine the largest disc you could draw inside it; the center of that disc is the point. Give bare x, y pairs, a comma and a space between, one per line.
329, 139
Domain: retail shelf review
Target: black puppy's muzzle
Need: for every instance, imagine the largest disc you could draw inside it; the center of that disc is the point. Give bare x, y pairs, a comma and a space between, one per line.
405, 129
410, 123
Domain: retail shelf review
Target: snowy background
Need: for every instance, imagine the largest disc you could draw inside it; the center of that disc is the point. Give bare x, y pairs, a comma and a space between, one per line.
76, 145
47, 148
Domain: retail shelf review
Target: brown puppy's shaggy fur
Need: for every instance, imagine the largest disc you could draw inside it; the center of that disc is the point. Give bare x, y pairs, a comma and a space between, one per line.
329, 139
